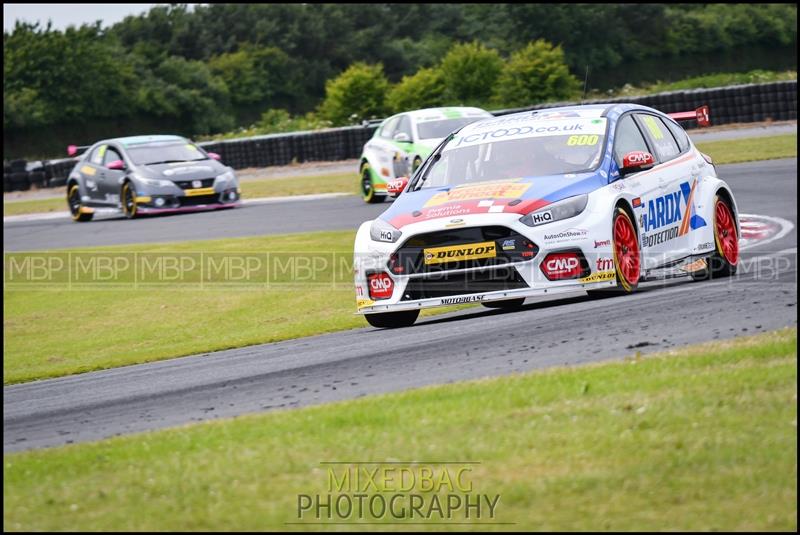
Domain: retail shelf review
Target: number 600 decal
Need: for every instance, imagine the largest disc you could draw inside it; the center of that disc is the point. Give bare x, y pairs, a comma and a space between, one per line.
582, 140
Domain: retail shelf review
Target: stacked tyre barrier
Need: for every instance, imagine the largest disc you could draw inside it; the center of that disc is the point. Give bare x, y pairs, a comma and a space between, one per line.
775, 101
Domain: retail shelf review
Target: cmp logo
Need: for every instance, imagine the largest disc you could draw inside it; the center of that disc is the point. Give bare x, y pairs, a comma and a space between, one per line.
675, 208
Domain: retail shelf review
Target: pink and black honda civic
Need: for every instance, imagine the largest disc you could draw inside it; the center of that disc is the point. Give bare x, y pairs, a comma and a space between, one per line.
148, 174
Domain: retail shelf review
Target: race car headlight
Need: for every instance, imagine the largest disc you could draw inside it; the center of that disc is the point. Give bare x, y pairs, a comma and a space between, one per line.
153, 181
554, 212
225, 177
383, 231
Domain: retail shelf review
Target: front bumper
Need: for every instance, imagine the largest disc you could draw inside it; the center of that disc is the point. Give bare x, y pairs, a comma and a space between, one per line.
188, 200
587, 235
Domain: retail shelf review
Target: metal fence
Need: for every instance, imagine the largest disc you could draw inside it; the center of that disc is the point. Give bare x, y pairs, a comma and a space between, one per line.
775, 101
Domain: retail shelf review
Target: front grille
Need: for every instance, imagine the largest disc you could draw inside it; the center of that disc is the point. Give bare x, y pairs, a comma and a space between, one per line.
510, 246
199, 199
447, 284
187, 184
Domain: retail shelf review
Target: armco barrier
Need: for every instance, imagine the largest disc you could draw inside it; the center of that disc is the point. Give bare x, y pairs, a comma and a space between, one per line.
733, 104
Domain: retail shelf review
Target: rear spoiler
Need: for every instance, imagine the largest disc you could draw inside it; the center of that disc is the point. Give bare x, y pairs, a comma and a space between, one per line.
75, 150
700, 115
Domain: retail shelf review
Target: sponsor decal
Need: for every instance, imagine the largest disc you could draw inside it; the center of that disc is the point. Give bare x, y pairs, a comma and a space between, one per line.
361, 303
381, 285
704, 246
454, 253
649, 240
572, 234
518, 131
448, 211
667, 210
601, 276
386, 235
509, 245
186, 170
88, 170
601, 243
486, 190
604, 264
539, 218
459, 300
637, 202
619, 185
559, 266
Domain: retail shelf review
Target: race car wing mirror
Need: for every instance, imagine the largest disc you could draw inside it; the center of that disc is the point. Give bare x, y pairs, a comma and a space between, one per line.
637, 160
401, 137
214, 156
396, 186
117, 165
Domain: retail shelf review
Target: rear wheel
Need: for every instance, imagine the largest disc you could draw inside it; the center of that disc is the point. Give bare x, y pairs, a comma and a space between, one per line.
128, 201
627, 260
725, 260
367, 187
390, 320
508, 304
76, 208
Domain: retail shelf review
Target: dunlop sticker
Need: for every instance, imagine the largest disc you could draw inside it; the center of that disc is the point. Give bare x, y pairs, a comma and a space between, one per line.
454, 253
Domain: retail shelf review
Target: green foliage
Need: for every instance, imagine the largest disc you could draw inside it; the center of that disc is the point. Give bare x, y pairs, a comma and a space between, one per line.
535, 74
469, 72
51, 76
356, 94
423, 90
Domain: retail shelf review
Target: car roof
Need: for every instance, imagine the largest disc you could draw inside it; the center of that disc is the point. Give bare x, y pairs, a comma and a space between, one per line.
143, 140
585, 111
450, 112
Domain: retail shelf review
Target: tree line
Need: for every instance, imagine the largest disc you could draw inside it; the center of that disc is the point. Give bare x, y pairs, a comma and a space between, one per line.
220, 66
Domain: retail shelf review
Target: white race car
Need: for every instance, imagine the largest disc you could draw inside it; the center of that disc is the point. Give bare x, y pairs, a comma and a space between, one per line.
403, 141
596, 198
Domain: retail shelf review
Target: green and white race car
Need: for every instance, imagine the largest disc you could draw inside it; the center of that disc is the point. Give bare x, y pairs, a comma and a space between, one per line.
403, 141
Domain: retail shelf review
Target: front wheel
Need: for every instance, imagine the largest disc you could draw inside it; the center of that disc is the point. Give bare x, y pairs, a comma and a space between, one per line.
391, 320
368, 188
627, 260
725, 260
128, 201
76, 208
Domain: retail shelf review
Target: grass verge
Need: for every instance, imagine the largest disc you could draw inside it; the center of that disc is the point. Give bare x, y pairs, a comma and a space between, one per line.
751, 149
726, 151
703, 438
283, 287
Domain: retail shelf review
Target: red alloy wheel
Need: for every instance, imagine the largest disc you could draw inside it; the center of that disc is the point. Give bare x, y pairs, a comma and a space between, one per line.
725, 226
626, 251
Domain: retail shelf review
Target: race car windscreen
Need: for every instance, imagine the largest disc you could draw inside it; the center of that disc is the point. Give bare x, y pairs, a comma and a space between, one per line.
165, 153
498, 153
439, 129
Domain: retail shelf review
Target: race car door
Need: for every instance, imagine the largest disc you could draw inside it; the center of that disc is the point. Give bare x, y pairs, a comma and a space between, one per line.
384, 148
645, 185
90, 171
110, 179
665, 216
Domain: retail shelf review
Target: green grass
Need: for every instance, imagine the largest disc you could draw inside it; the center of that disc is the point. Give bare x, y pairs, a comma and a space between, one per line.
703, 438
751, 149
36, 206
56, 331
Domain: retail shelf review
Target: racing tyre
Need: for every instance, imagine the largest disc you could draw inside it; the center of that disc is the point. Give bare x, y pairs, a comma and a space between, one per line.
725, 260
76, 208
367, 189
508, 304
390, 320
128, 198
627, 258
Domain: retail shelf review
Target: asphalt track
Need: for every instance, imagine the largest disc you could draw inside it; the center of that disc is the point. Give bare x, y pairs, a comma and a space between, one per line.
465, 345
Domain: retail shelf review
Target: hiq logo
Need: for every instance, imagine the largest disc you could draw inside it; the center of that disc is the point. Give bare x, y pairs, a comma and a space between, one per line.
666, 210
